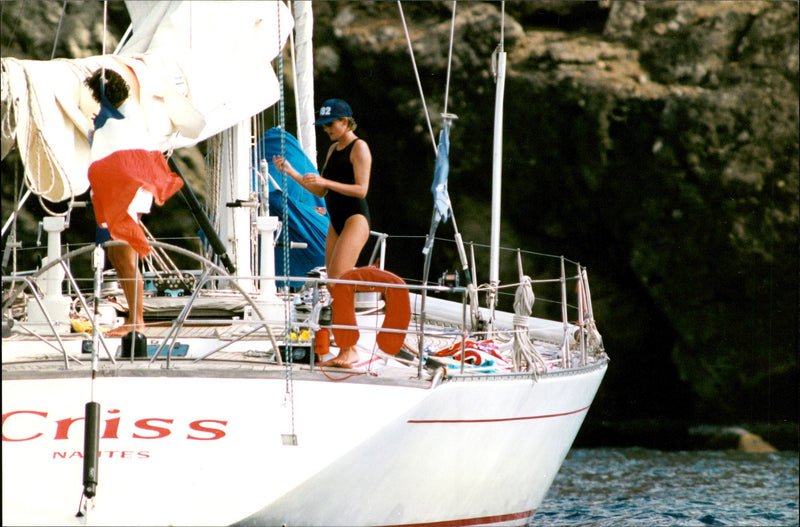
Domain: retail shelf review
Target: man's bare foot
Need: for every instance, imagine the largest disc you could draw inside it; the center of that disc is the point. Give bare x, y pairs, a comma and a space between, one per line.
347, 358
124, 329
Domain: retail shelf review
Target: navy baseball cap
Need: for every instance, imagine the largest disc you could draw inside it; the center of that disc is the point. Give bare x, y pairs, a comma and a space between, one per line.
331, 110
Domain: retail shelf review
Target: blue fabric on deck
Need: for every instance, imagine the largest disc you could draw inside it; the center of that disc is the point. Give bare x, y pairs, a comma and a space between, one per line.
308, 218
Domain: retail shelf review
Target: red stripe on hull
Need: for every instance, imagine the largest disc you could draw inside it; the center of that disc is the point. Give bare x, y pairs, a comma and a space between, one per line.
466, 522
499, 420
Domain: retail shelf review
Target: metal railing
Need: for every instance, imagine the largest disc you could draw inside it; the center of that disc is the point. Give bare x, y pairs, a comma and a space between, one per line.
575, 335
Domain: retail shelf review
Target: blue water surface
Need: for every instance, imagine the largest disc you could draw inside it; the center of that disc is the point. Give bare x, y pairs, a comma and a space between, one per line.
607, 487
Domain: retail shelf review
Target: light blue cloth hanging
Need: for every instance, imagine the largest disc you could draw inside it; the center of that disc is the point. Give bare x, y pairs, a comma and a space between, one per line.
441, 199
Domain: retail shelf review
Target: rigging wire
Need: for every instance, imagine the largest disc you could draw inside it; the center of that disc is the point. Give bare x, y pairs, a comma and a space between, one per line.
13, 37
289, 363
450, 57
103, 54
91, 448
58, 31
416, 70
502, 24
12, 243
416, 74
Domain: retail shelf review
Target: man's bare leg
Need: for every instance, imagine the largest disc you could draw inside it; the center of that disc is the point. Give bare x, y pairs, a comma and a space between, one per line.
123, 258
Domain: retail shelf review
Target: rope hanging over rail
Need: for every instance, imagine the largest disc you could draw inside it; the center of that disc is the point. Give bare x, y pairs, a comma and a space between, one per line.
524, 350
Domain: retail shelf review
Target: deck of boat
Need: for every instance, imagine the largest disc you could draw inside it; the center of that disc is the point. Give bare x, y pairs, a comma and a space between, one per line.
226, 365
258, 362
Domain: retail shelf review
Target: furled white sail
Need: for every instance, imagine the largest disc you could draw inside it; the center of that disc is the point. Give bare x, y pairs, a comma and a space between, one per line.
304, 88
196, 68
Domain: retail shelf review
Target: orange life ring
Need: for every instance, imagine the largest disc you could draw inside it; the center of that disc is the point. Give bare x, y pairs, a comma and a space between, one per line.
397, 312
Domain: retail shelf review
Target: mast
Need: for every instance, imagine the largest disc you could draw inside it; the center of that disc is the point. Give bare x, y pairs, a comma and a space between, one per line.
235, 203
304, 82
497, 168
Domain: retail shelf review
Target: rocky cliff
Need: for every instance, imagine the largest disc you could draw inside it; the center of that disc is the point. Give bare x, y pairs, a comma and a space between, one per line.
655, 142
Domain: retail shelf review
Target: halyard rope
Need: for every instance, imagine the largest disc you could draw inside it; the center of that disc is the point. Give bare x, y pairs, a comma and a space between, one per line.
289, 364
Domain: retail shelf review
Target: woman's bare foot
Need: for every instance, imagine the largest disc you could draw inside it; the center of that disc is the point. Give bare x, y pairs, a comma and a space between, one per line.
124, 329
347, 358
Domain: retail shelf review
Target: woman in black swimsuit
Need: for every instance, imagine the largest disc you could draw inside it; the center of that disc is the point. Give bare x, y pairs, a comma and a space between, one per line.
344, 184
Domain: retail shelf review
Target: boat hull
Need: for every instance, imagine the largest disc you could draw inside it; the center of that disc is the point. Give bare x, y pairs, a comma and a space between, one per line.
218, 448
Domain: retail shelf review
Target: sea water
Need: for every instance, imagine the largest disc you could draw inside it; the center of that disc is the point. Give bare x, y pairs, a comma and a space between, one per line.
607, 487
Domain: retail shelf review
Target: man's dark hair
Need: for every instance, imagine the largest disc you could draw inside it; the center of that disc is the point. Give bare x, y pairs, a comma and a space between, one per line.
116, 89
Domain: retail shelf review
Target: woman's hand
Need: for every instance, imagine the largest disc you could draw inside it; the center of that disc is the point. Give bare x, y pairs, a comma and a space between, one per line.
315, 183
312, 182
282, 164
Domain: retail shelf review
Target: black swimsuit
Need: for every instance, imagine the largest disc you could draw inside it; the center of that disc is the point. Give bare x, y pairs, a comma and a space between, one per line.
340, 207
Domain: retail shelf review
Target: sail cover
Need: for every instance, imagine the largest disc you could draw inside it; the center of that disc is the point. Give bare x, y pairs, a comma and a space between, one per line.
308, 218
195, 68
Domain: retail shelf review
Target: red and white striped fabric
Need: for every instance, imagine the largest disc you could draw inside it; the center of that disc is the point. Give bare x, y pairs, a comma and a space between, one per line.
476, 353
127, 172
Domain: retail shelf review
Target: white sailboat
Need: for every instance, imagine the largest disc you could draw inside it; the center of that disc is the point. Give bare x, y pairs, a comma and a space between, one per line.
219, 422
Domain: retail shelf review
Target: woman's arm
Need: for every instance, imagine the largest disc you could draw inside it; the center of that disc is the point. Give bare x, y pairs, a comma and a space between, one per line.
309, 184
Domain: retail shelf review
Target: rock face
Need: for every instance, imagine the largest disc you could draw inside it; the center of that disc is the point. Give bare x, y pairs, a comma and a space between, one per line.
656, 142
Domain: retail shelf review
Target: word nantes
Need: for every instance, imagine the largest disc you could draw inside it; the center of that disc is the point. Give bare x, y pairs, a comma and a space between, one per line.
26, 425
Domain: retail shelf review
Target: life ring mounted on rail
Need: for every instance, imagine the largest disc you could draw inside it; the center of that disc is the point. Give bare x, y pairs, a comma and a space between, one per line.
397, 311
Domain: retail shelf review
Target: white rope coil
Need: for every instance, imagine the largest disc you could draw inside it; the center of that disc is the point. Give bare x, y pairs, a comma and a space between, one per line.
525, 353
